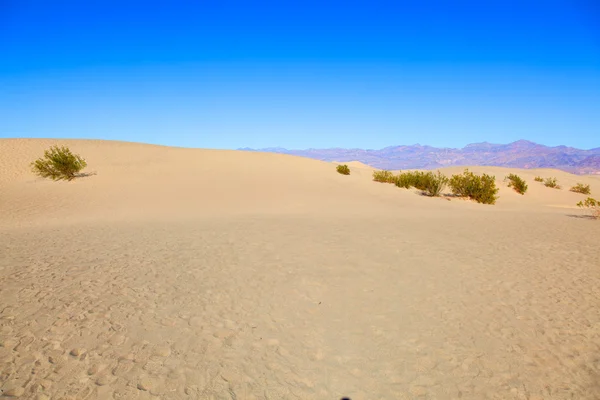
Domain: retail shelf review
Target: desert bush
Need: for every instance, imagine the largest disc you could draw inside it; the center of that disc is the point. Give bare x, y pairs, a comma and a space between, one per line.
551, 183
411, 179
58, 163
404, 180
592, 205
538, 179
416, 179
517, 183
421, 180
482, 188
384, 176
581, 188
429, 183
434, 184
343, 169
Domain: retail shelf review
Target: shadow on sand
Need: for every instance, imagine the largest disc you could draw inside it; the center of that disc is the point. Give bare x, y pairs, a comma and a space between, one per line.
86, 174
581, 216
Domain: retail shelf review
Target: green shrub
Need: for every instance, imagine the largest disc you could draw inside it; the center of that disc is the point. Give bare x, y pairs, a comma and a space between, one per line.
58, 163
581, 188
515, 182
551, 183
592, 205
538, 179
414, 179
384, 177
434, 183
429, 183
482, 188
421, 180
343, 169
404, 180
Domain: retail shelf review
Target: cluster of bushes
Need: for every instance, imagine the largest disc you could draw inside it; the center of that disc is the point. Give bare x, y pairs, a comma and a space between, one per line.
517, 183
481, 188
553, 183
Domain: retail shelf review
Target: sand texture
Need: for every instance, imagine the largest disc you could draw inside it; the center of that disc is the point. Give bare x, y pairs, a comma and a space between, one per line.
172, 273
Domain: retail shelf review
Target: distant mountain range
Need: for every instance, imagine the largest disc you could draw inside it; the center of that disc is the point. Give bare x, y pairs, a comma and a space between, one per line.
519, 154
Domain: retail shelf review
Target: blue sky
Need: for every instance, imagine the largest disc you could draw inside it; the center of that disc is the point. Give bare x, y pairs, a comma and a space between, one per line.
300, 74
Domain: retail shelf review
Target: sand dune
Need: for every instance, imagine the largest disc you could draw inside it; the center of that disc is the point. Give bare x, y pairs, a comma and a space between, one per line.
356, 164
173, 273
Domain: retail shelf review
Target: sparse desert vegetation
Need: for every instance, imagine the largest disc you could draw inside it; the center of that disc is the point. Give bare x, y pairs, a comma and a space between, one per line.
592, 205
581, 188
481, 188
551, 183
384, 176
58, 163
538, 179
343, 169
517, 183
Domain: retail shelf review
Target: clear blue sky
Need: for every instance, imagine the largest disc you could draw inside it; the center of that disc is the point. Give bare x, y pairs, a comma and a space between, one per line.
300, 74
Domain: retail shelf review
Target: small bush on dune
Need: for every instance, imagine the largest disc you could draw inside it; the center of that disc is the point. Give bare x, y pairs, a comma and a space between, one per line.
404, 180
421, 180
517, 183
435, 183
58, 163
343, 169
548, 182
414, 179
384, 176
482, 188
581, 188
551, 183
407, 180
429, 183
592, 205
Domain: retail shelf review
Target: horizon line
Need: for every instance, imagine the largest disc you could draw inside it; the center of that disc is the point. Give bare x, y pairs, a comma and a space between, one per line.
300, 149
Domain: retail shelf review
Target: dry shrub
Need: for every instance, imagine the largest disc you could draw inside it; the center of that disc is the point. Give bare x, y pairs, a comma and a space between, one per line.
58, 163
343, 169
592, 205
551, 183
481, 188
581, 188
384, 176
517, 183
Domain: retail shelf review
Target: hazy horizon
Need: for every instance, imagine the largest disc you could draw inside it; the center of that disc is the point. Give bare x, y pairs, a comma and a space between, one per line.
420, 144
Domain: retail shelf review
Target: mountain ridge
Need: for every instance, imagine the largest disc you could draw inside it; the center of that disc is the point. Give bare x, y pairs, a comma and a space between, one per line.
519, 154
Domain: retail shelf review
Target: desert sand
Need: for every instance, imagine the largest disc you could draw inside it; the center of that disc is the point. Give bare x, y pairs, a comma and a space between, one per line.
172, 273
